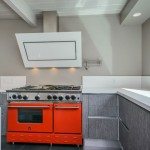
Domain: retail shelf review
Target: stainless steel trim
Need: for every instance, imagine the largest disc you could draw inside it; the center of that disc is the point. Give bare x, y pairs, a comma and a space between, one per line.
28, 106
101, 117
73, 107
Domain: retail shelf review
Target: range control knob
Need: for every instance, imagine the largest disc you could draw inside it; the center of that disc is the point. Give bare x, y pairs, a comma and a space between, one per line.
60, 98
37, 97
73, 97
67, 97
49, 97
14, 96
54, 97
25, 97
19, 96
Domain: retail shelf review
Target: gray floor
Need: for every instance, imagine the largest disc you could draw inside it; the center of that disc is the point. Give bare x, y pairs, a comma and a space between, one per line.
101, 144
22, 146
89, 144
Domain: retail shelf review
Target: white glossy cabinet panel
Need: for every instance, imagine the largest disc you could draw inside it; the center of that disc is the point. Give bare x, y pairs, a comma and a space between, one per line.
57, 49
51, 51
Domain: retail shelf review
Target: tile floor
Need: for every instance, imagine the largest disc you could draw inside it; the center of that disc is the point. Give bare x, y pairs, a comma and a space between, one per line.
22, 146
89, 145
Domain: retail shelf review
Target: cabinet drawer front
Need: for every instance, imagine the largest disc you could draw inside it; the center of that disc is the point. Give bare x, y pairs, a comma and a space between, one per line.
103, 128
125, 111
85, 112
124, 137
137, 120
68, 118
67, 139
103, 111
29, 137
103, 100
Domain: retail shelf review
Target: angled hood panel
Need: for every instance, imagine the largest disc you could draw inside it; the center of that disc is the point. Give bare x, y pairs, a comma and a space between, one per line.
56, 49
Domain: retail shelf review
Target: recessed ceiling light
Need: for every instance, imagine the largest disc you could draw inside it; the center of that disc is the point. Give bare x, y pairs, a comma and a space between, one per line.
137, 14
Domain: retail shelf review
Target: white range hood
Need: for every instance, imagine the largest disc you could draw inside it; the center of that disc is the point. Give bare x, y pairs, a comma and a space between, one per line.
55, 49
50, 48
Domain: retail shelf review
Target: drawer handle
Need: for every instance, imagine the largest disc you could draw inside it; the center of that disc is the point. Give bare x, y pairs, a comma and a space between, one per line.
125, 126
73, 107
29, 128
28, 106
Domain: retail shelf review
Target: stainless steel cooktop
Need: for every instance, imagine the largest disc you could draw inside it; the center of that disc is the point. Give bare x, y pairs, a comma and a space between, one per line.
45, 92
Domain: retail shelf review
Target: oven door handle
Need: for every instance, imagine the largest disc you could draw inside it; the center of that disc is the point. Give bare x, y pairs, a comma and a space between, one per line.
28, 106
65, 107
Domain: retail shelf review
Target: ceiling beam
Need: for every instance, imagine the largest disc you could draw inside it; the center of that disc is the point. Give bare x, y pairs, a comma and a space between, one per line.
23, 10
127, 9
135, 6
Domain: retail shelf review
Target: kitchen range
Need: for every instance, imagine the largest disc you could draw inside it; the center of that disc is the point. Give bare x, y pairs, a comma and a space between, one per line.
45, 114
74, 74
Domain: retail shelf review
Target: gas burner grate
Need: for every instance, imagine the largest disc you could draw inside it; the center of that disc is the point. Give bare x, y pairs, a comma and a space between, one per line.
25, 88
48, 88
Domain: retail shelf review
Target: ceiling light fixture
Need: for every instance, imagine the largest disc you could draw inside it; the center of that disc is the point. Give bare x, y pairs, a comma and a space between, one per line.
137, 14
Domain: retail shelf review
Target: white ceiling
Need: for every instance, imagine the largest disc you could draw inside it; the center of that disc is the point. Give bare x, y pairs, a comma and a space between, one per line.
136, 6
68, 7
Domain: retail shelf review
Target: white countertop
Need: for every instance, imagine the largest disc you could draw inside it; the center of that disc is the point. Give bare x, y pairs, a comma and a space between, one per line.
2, 91
137, 96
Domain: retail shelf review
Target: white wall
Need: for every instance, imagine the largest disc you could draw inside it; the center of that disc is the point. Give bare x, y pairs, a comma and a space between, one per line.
103, 37
146, 82
146, 48
10, 82
109, 84
112, 81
